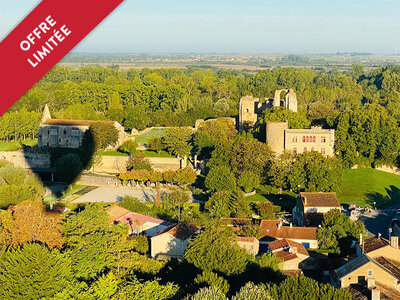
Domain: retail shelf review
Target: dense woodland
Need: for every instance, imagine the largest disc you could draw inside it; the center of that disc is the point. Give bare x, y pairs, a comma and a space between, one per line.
364, 107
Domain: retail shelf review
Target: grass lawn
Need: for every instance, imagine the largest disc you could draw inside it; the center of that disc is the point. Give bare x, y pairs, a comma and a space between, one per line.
12, 146
366, 186
146, 153
142, 139
286, 202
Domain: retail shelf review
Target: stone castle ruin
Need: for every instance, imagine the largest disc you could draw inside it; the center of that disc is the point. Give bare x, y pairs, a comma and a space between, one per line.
251, 108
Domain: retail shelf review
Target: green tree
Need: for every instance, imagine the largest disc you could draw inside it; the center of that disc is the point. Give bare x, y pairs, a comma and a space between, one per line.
281, 114
252, 291
155, 144
33, 272
299, 288
215, 249
220, 178
176, 140
338, 231
129, 147
209, 293
138, 161
104, 134
212, 279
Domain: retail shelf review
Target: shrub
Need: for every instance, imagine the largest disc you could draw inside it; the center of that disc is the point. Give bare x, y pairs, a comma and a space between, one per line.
129, 147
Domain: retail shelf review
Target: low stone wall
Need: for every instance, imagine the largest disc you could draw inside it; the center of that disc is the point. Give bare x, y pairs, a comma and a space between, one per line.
388, 169
384, 168
26, 160
98, 180
117, 164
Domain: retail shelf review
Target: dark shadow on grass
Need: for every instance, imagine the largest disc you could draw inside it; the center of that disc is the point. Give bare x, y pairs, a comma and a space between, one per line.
380, 201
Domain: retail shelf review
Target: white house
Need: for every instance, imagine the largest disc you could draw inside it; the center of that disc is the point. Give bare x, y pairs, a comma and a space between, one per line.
173, 240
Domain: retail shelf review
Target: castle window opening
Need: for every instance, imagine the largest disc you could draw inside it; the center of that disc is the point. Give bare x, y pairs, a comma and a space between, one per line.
304, 138
294, 139
312, 149
313, 139
294, 150
305, 150
323, 151
323, 139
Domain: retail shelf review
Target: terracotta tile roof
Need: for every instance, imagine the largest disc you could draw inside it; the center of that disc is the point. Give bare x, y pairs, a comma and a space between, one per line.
374, 243
245, 239
320, 200
181, 231
394, 270
285, 255
118, 214
285, 245
269, 229
115, 212
65, 122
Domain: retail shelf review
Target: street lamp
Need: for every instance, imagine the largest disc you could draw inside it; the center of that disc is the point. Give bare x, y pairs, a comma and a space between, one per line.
374, 205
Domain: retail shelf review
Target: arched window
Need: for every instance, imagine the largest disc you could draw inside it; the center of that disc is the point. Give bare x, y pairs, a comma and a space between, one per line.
305, 150
323, 139
307, 139
313, 139
312, 149
304, 138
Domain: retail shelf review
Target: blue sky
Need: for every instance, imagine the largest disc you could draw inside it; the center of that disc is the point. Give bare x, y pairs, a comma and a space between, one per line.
237, 26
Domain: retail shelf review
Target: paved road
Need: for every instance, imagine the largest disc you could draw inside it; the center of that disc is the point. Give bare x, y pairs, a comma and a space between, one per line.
380, 222
113, 194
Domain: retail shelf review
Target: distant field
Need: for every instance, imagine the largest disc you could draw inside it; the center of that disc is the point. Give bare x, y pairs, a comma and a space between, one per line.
366, 186
143, 139
146, 153
12, 146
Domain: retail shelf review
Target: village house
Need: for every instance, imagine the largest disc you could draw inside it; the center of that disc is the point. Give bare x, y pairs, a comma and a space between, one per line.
172, 241
375, 247
250, 244
291, 253
367, 271
67, 133
272, 230
138, 224
376, 266
311, 207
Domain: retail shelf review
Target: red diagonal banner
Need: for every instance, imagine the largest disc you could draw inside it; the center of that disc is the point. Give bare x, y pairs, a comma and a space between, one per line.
42, 39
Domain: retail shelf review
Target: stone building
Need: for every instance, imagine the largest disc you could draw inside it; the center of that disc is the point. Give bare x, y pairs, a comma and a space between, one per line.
272, 230
67, 133
250, 244
280, 138
311, 207
291, 253
251, 108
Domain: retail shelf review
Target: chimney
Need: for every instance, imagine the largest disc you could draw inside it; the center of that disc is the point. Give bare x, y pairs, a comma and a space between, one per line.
279, 224
293, 250
394, 242
379, 235
291, 225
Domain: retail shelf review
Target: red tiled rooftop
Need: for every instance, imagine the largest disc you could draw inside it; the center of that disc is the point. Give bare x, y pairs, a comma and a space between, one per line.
269, 228
181, 231
245, 239
118, 214
284, 243
320, 200
115, 212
